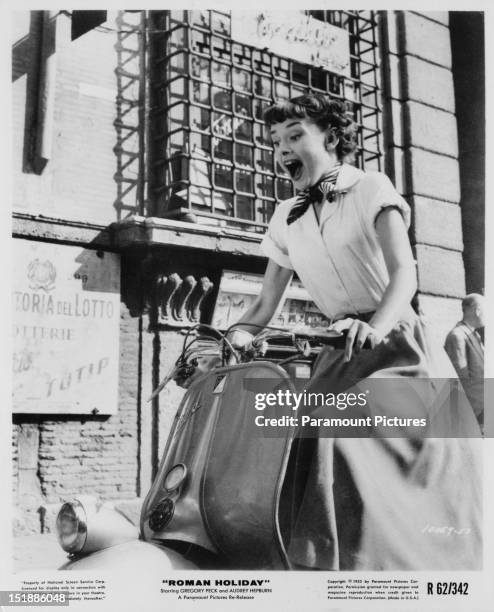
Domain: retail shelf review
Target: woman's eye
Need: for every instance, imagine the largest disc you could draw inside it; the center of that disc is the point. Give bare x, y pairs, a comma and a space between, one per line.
276, 143
295, 136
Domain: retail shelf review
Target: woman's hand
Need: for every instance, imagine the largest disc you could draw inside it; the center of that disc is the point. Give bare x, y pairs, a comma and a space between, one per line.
240, 338
237, 343
358, 333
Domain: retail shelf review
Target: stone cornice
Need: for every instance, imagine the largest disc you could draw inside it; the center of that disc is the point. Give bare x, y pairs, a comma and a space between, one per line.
137, 231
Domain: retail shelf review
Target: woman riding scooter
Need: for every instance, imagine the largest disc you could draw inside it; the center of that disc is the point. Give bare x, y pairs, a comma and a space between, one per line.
360, 503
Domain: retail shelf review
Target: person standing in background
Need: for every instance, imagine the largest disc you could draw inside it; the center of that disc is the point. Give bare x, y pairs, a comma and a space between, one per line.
465, 348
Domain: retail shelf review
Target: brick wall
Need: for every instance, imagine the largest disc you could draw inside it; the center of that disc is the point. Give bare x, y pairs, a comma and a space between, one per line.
15, 462
87, 455
422, 153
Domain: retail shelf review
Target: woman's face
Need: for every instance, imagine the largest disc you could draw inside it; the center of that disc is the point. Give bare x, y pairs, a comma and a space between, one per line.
300, 149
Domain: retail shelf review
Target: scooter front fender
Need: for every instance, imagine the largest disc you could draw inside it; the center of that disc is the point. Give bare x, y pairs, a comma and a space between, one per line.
129, 556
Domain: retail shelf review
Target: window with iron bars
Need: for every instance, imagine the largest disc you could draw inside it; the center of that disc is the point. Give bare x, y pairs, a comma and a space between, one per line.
212, 155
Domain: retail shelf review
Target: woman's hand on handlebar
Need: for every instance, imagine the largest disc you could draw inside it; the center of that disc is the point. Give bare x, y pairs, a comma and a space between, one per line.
358, 332
240, 338
235, 345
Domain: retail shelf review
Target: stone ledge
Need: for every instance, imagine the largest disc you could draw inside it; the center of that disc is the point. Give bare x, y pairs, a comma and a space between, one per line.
41, 227
137, 231
153, 231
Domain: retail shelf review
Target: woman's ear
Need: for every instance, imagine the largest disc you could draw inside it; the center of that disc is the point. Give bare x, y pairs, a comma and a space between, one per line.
331, 140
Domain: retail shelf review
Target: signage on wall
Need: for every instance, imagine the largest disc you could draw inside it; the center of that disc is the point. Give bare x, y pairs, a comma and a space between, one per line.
295, 35
66, 315
238, 290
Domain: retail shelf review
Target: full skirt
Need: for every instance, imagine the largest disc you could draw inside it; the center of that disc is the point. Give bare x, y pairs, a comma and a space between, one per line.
393, 503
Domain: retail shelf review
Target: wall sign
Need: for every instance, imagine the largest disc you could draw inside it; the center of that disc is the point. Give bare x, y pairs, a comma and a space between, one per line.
66, 314
238, 290
295, 35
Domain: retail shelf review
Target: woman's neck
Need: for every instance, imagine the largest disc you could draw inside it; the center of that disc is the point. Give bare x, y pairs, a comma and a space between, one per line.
332, 163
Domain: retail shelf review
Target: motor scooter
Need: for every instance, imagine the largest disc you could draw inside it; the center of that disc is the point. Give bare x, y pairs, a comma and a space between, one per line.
216, 501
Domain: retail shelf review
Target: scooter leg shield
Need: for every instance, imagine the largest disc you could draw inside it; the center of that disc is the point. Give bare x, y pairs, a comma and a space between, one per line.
129, 557
219, 483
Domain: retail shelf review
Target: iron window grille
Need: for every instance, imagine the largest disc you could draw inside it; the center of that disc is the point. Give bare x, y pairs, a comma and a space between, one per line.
212, 156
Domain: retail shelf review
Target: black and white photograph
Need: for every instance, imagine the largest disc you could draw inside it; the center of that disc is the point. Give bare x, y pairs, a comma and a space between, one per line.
249, 290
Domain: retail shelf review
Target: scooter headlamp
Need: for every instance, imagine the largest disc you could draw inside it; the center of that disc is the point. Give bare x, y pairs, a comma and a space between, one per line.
85, 525
72, 526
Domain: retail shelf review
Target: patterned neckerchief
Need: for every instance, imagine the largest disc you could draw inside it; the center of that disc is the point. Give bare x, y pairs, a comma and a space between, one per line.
324, 189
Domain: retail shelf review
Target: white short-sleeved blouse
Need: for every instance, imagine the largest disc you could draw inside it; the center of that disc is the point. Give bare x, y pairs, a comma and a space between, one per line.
339, 260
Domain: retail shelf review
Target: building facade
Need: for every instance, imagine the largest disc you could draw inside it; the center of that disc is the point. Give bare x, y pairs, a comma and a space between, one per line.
144, 180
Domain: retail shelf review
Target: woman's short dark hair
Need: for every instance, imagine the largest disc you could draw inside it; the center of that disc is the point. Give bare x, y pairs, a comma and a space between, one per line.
325, 112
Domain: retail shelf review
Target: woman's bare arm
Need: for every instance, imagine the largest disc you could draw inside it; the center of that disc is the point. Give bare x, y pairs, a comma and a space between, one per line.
393, 238
395, 245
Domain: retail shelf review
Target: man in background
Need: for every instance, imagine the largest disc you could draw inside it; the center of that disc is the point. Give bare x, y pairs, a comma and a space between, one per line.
465, 348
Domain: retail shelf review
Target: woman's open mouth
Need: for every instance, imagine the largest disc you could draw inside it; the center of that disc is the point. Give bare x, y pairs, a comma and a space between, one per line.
295, 168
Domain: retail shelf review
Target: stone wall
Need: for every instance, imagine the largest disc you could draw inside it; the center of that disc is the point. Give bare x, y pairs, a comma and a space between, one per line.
422, 154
